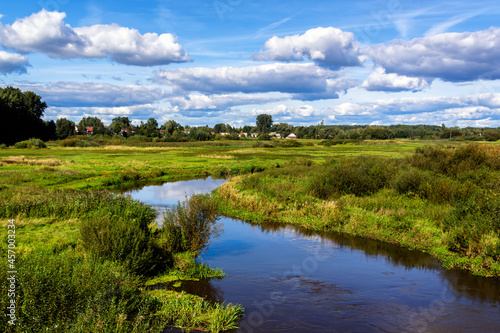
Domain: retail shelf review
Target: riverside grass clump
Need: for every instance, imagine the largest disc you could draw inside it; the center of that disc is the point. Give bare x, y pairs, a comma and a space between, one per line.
84, 259
189, 226
442, 200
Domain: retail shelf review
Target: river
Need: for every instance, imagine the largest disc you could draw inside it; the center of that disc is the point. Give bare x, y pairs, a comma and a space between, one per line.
292, 280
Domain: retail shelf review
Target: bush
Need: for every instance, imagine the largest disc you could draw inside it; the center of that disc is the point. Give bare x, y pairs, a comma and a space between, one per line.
30, 144
360, 176
188, 226
65, 293
120, 232
410, 181
264, 137
492, 136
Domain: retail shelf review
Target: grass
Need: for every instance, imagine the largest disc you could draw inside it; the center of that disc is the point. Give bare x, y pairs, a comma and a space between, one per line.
85, 285
443, 201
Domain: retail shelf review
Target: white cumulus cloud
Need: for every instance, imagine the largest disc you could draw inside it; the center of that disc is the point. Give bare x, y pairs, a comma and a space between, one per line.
329, 47
303, 81
218, 102
94, 94
12, 63
379, 80
46, 32
454, 57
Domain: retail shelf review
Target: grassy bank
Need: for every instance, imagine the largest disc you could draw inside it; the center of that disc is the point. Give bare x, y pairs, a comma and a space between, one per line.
87, 258
84, 261
441, 200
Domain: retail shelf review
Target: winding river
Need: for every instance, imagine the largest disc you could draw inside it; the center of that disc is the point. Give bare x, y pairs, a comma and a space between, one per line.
293, 280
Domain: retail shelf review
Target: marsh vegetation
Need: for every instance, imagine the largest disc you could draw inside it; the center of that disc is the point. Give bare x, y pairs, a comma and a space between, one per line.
92, 254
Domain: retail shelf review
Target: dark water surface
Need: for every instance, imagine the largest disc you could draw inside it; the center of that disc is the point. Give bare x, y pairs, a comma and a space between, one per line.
293, 280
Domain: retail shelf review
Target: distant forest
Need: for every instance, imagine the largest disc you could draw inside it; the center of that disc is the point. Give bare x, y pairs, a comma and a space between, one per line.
22, 113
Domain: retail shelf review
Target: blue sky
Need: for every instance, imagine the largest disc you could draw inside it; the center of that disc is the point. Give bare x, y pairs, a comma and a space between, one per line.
226, 61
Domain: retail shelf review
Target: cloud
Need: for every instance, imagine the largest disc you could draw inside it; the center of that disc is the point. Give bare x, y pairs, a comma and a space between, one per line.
380, 81
329, 47
463, 111
46, 32
12, 63
218, 102
300, 80
451, 57
106, 114
81, 94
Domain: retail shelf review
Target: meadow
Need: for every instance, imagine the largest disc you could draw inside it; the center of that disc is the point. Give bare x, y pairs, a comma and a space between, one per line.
87, 256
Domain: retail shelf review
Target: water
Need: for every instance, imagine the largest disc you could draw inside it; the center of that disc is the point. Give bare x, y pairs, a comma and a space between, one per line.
293, 280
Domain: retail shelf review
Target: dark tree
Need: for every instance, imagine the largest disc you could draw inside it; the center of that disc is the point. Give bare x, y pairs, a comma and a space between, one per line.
264, 123
94, 122
120, 122
49, 132
64, 128
21, 113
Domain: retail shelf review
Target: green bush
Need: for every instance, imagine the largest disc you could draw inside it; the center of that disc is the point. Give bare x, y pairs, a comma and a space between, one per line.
360, 177
65, 293
188, 226
410, 181
264, 137
30, 144
125, 239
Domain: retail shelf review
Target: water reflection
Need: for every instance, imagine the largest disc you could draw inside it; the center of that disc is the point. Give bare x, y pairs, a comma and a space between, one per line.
168, 194
291, 279
461, 282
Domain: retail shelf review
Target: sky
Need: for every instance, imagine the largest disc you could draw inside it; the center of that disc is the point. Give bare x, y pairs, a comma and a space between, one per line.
203, 62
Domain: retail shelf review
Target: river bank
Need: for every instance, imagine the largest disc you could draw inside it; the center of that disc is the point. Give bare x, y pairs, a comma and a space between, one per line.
440, 201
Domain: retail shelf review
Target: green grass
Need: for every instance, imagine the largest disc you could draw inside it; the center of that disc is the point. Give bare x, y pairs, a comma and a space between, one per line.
49, 192
440, 200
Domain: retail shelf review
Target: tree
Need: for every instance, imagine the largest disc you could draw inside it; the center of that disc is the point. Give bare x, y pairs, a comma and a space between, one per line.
171, 126
96, 123
283, 129
21, 114
264, 123
64, 128
150, 128
120, 122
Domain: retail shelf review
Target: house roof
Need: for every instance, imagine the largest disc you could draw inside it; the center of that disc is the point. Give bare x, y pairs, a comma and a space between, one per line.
90, 129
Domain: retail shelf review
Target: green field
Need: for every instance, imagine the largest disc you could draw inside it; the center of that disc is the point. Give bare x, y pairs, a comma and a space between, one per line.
443, 200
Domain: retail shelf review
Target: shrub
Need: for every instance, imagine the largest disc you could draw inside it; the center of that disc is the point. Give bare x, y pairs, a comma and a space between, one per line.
119, 231
410, 181
492, 136
65, 293
264, 137
30, 144
360, 176
188, 226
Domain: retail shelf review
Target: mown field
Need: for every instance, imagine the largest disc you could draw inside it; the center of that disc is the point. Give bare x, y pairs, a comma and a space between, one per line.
442, 199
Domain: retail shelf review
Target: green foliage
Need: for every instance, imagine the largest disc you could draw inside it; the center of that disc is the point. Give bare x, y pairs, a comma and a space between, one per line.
125, 239
64, 128
192, 312
361, 176
264, 123
441, 199
68, 293
264, 137
30, 144
190, 225
21, 114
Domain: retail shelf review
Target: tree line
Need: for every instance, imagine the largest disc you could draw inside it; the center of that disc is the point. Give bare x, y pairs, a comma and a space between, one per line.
22, 113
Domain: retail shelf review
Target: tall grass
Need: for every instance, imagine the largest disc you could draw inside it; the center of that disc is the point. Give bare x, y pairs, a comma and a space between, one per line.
447, 200
67, 293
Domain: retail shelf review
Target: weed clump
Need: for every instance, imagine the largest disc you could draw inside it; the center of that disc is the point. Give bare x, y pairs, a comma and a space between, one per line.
190, 225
